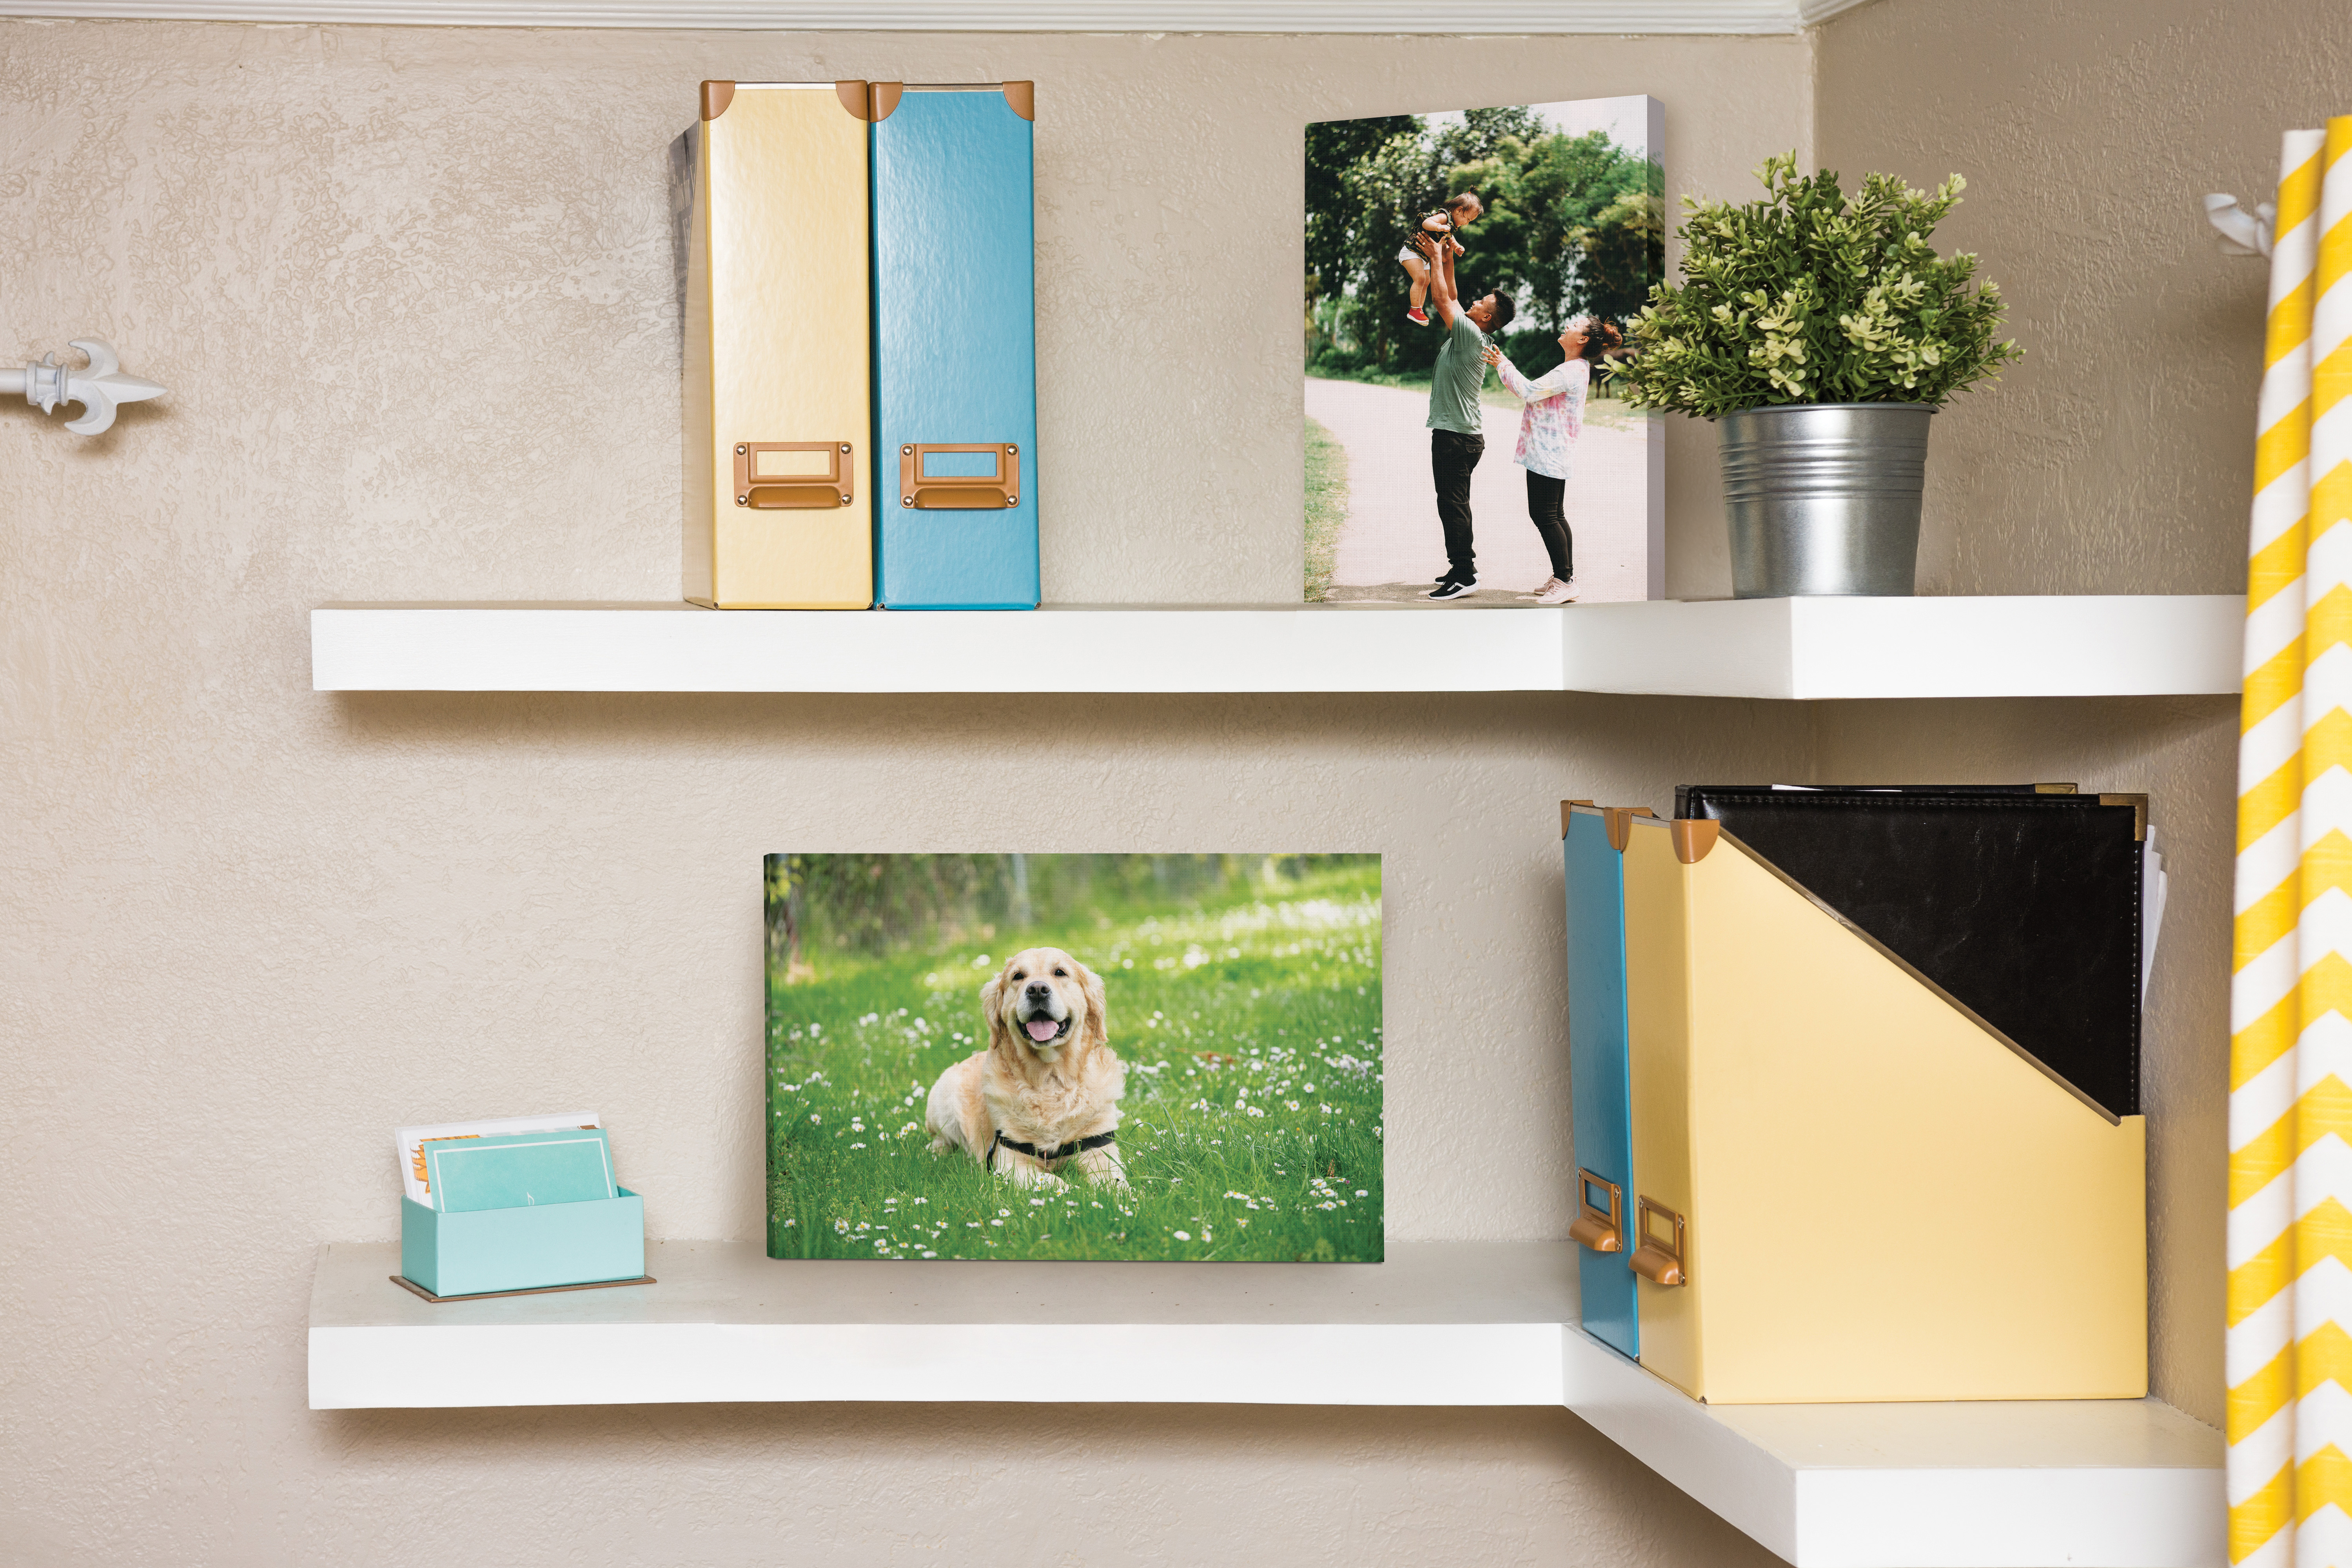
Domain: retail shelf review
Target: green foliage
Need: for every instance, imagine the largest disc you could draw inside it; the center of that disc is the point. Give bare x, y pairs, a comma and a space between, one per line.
821, 905
1573, 226
1813, 295
1484, 133
1326, 507
1250, 1023
1333, 148
1623, 244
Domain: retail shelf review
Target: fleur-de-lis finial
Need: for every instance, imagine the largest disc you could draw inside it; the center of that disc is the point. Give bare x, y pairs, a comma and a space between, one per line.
99, 387
2245, 232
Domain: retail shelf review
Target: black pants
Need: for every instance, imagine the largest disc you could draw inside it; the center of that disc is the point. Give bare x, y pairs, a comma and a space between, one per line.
1546, 510
1452, 457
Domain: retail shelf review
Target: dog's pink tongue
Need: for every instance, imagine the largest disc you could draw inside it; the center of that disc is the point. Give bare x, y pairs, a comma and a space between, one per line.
1042, 1030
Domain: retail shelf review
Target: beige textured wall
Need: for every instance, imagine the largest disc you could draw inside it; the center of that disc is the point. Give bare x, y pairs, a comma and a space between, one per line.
2116, 458
410, 290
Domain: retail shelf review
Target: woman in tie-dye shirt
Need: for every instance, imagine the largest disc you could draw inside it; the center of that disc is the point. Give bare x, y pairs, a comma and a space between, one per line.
1549, 426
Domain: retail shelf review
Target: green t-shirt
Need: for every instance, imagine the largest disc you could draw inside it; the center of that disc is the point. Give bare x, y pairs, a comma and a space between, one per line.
1454, 384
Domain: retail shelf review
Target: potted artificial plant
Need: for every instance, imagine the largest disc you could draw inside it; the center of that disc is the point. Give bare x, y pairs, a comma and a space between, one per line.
1820, 331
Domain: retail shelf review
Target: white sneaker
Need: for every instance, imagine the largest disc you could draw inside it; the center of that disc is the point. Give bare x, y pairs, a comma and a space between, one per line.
1555, 591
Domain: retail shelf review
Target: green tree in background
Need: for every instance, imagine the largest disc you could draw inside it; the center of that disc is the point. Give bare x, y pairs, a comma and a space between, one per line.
1573, 226
1484, 133
1333, 147
1623, 246
859, 906
1383, 195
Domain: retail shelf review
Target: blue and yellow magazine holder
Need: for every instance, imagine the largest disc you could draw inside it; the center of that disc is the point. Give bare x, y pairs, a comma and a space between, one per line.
1806, 1173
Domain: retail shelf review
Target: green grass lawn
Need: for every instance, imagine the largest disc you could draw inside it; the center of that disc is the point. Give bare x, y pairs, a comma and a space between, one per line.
1326, 507
1411, 381
1251, 1032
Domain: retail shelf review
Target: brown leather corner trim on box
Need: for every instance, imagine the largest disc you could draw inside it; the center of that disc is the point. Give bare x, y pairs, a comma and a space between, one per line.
1617, 822
1694, 836
715, 97
1023, 97
853, 96
883, 97
1568, 808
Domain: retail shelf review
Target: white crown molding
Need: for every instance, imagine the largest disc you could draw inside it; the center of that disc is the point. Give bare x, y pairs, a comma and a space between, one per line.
990, 16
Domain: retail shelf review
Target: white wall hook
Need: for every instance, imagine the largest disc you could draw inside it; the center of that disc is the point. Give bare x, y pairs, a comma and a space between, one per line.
100, 388
2243, 233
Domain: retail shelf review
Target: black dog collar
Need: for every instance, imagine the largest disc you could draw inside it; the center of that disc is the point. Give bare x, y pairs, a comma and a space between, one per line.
1034, 1152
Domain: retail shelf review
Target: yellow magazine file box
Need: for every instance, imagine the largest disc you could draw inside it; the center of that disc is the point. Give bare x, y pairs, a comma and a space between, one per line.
1846, 1187
779, 457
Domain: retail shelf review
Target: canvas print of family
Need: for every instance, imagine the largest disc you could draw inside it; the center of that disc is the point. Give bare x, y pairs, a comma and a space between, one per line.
1075, 1056
1470, 282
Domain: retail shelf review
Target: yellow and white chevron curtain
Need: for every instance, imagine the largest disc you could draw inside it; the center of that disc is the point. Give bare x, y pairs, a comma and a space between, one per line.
2290, 1236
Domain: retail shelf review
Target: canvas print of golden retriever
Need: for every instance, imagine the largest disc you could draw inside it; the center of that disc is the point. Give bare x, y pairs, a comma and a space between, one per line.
1043, 1097
1134, 1058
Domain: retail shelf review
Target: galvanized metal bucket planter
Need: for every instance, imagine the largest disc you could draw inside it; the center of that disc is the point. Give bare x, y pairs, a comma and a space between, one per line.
1824, 497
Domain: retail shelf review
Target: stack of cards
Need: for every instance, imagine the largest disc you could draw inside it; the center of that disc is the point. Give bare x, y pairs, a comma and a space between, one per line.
507, 1162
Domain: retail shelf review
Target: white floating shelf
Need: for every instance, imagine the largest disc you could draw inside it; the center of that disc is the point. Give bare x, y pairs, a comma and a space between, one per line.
989, 15
2119, 1483
2012, 645
2111, 646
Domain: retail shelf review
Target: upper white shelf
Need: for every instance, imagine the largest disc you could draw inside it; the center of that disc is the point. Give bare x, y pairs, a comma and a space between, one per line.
2120, 1483
980, 15
2109, 646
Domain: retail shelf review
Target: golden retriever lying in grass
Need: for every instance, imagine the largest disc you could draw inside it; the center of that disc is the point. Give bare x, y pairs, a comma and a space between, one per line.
1044, 1096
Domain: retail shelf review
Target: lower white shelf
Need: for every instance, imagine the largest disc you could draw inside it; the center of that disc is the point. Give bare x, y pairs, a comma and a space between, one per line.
2121, 1483
2107, 646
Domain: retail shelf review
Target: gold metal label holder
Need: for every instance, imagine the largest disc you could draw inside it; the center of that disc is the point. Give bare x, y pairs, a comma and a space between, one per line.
1658, 1258
940, 492
795, 474
1601, 1229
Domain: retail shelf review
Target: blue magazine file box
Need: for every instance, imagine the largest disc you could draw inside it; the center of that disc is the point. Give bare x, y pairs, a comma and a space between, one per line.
1601, 1092
955, 347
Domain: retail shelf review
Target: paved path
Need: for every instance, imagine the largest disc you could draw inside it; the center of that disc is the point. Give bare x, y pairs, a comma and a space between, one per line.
1391, 546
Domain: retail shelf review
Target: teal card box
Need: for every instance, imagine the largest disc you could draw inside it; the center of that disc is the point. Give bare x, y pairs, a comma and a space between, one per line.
531, 1247
516, 1170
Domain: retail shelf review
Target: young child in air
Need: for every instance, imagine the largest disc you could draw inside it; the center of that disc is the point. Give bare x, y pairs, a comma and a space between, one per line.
1442, 226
